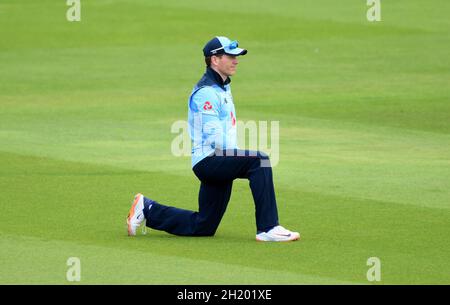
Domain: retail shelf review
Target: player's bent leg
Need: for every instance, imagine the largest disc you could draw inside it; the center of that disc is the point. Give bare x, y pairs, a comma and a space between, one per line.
170, 219
261, 184
213, 200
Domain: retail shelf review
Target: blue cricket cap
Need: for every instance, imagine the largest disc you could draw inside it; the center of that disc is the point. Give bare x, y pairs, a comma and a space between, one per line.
222, 45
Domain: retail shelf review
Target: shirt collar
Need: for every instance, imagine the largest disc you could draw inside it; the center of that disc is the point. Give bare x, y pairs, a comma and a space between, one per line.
217, 78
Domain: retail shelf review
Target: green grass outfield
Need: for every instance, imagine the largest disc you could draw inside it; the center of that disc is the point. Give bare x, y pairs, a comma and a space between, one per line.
86, 110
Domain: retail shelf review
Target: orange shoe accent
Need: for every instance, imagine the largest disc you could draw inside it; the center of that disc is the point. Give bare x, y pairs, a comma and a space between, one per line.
131, 212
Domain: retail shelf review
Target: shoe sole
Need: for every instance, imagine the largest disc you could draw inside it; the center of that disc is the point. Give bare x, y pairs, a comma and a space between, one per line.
131, 214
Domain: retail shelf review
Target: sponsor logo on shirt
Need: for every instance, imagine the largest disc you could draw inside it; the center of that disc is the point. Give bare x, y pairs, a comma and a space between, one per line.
207, 106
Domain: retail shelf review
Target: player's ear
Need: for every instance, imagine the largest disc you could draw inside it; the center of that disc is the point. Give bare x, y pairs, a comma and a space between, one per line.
215, 59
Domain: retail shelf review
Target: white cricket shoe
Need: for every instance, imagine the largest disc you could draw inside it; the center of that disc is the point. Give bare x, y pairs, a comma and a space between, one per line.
136, 214
278, 233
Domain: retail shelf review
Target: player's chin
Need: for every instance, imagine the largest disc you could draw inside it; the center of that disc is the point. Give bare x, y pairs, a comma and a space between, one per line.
232, 71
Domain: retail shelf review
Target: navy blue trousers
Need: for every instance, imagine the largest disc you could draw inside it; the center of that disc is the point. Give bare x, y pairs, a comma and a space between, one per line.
216, 174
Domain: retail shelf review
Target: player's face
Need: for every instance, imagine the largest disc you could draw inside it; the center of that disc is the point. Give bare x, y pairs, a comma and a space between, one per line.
226, 64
